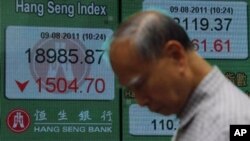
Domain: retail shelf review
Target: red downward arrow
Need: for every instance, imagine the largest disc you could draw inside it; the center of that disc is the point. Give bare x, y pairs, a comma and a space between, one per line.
22, 86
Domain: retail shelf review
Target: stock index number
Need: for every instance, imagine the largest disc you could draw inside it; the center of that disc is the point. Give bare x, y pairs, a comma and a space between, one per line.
205, 24
62, 56
163, 124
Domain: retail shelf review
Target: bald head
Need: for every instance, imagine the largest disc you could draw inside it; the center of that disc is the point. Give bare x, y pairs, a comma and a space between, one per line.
149, 31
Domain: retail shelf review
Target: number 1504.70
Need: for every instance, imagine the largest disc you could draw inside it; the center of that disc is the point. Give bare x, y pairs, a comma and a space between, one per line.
61, 85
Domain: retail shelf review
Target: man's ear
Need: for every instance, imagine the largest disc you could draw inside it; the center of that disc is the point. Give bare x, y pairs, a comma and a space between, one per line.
174, 50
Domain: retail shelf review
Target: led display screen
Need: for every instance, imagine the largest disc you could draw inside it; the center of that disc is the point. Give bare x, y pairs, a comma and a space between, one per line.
56, 82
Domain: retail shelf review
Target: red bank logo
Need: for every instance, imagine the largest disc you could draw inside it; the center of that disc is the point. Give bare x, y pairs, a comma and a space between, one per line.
18, 120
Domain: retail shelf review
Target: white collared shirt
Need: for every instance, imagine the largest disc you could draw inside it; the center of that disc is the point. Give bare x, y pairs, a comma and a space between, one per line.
214, 105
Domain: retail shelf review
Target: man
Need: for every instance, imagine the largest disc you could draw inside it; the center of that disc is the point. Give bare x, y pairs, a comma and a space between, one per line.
154, 57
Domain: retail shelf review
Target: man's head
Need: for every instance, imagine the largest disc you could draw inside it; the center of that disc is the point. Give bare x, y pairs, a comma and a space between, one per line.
151, 55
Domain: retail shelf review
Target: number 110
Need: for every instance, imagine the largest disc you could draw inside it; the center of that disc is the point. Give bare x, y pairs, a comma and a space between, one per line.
164, 124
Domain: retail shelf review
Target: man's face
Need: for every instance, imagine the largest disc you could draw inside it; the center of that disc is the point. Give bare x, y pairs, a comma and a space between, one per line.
156, 84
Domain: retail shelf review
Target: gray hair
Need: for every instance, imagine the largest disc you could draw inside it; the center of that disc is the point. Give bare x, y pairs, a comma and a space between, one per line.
149, 31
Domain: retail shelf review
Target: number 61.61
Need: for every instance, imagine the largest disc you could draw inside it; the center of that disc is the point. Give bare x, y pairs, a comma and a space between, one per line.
218, 45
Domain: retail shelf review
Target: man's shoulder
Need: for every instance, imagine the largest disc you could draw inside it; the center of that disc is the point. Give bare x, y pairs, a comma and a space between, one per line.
226, 108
